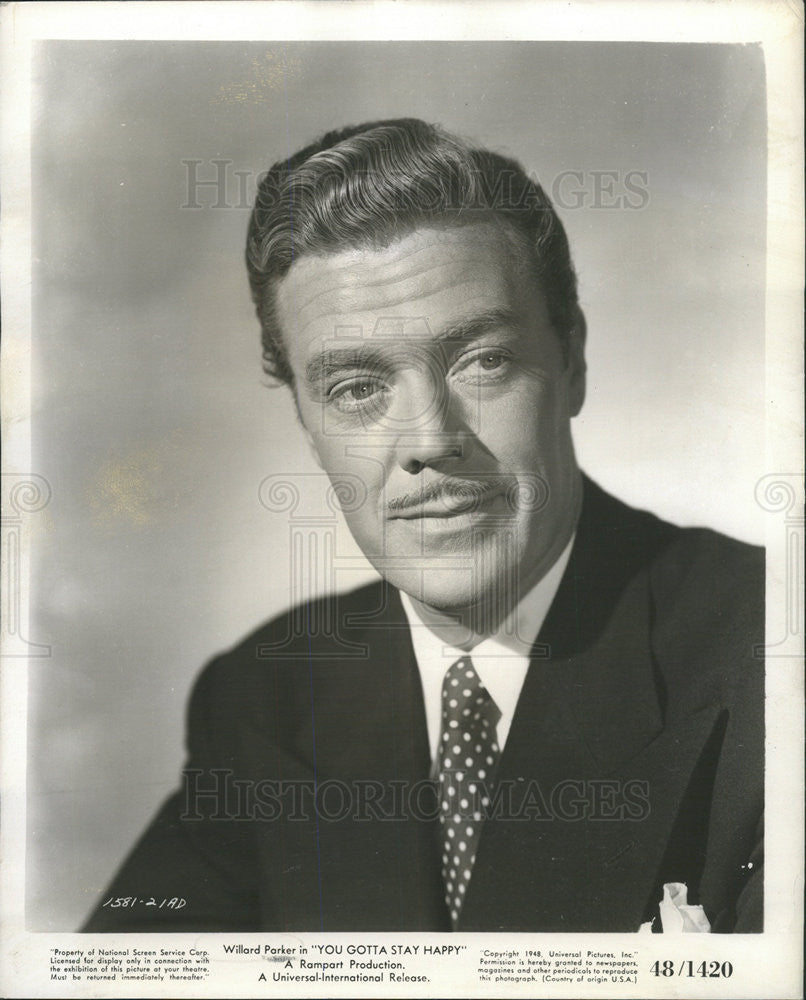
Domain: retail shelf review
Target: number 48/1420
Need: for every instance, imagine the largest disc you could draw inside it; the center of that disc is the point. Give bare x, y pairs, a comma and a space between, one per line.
706, 970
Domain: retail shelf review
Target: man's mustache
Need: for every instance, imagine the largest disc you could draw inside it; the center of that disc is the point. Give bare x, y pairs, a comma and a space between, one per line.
466, 492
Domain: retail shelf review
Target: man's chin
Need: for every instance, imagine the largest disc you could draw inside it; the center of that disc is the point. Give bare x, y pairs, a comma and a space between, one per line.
449, 592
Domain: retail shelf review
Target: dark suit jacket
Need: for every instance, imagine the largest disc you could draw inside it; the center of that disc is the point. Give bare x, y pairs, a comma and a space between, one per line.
635, 758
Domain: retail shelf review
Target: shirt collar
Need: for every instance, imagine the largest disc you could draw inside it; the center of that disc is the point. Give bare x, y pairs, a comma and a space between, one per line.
501, 660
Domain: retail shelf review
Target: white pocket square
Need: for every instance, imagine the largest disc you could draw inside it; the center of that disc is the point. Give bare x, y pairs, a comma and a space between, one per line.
677, 915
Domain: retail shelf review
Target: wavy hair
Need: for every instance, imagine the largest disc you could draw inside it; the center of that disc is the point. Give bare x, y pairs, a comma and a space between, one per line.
368, 185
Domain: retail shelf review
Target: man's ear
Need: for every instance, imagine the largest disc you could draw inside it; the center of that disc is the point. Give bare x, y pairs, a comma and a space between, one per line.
576, 363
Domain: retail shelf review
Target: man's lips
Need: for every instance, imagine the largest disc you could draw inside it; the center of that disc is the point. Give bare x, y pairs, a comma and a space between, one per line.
452, 502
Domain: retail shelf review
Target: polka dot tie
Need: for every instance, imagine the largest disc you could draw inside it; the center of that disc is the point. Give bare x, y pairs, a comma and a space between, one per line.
467, 760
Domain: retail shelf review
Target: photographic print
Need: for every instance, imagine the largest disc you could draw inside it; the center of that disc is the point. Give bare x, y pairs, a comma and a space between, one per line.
403, 523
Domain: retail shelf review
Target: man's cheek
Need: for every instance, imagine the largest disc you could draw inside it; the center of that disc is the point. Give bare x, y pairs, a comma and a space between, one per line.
364, 526
334, 454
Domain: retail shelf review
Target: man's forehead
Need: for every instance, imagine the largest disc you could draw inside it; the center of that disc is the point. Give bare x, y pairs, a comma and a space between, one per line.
426, 267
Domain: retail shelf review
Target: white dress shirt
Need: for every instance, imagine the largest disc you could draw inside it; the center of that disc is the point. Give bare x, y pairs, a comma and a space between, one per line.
501, 660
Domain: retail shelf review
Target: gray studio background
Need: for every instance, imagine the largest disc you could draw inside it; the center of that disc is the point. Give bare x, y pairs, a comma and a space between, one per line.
153, 426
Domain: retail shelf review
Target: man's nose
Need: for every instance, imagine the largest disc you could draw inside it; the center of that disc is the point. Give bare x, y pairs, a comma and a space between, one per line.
430, 434
426, 450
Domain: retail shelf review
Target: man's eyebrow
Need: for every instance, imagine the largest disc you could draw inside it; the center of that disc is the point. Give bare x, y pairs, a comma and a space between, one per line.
332, 361
335, 360
480, 323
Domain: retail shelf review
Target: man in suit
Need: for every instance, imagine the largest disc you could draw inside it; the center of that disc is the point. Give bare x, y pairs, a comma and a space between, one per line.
551, 705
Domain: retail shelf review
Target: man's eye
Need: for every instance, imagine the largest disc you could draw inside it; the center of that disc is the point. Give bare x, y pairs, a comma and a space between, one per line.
353, 394
489, 362
361, 390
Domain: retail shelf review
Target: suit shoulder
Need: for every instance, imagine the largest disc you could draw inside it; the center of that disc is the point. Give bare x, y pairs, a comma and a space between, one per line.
706, 600
287, 642
725, 575
677, 554
708, 607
